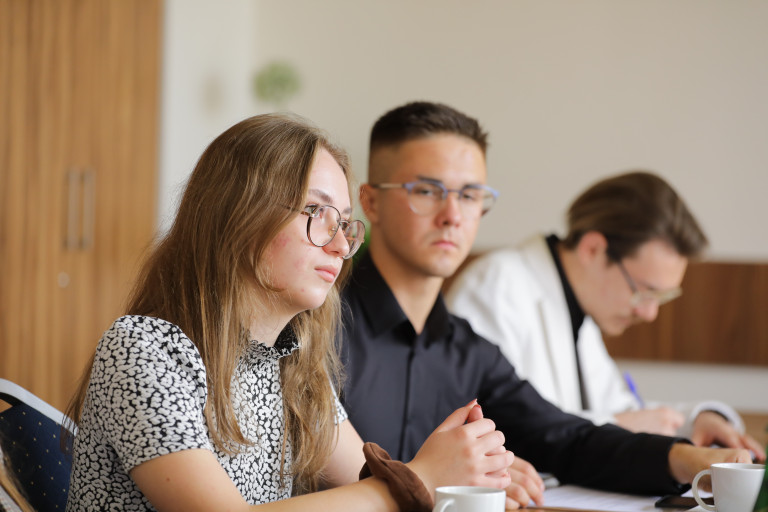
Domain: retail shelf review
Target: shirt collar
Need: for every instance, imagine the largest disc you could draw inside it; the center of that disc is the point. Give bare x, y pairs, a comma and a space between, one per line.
381, 308
439, 322
574, 308
285, 344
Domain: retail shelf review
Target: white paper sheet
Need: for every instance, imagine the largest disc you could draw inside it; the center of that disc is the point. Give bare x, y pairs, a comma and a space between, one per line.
572, 496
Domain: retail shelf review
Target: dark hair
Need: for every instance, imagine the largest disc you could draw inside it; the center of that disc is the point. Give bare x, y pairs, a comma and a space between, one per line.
421, 119
632, 209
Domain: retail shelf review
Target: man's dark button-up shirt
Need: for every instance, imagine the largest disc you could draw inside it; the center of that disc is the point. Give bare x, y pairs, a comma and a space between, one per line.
401, 385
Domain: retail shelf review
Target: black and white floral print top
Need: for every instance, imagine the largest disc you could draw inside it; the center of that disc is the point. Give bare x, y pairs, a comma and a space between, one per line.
145, 399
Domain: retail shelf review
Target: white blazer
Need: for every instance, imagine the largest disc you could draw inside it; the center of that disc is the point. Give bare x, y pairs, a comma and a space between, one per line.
514, 298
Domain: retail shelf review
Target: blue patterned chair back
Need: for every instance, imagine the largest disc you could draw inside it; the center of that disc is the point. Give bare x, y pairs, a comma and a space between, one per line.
30, 433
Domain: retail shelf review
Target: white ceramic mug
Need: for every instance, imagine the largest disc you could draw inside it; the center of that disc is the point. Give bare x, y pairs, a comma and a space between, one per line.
734, 485
469, 499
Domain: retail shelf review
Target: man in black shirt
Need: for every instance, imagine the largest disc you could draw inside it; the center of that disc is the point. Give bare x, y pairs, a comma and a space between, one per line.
410, 363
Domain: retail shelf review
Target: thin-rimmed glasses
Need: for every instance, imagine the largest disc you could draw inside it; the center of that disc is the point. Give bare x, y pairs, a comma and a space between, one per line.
425, 197
646, 297
324, 222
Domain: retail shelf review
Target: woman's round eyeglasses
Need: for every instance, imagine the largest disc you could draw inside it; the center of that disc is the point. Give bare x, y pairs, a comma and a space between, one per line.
324, 222
426, 197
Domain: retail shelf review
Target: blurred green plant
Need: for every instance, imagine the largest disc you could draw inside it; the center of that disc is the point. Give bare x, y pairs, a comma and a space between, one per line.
761, 505
276, 83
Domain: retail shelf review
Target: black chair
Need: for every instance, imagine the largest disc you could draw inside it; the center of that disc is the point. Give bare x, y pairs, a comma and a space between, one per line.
30, 433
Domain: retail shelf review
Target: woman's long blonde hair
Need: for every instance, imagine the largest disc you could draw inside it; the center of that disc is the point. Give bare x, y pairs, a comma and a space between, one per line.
248, 184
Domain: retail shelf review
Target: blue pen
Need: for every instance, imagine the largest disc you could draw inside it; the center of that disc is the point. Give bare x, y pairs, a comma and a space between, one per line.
633, 389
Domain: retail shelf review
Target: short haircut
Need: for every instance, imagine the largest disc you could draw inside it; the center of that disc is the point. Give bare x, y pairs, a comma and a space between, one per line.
632, 209
422, 119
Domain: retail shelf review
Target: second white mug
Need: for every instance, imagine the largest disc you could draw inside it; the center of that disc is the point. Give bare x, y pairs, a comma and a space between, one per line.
734, 485
469, 499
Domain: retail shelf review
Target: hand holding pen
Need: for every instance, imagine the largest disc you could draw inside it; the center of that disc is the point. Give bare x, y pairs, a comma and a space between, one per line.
633, 389
662, 420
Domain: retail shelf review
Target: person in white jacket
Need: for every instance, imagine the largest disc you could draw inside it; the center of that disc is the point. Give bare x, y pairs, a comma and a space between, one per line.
545, 303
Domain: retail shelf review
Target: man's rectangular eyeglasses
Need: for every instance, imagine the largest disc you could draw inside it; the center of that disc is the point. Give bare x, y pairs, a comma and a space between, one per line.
426, 197
645, 297
324, 222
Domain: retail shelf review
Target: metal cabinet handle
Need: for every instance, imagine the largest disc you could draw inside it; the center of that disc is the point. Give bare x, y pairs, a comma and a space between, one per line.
73, 188
89, 204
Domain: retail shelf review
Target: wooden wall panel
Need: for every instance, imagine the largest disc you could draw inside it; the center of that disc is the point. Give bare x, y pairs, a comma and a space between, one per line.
79, 112
722, 317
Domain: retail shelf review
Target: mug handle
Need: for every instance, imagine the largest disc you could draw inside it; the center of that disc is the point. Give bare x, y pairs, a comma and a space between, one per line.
442, 505
695, 489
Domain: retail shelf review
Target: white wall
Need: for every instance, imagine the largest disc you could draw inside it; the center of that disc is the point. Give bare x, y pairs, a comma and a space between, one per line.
570, 91
208, 59
742, 387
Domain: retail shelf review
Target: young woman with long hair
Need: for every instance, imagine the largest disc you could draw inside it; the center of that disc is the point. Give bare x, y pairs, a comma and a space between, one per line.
216, 391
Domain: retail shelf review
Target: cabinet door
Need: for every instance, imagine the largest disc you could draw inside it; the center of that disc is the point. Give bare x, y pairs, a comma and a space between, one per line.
125, 165
115, 156
33, 201
79, 130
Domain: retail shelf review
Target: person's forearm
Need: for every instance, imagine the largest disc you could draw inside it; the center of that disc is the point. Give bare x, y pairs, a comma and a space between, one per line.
369, 495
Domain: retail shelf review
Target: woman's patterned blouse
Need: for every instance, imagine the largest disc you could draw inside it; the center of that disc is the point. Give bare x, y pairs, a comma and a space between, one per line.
146, 398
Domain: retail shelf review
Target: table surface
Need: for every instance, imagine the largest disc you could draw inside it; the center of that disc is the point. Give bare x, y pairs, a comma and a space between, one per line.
755, 423
545, 509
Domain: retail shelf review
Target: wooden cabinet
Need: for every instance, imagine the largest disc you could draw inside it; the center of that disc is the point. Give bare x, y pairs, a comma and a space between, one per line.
720, 318
79, 89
